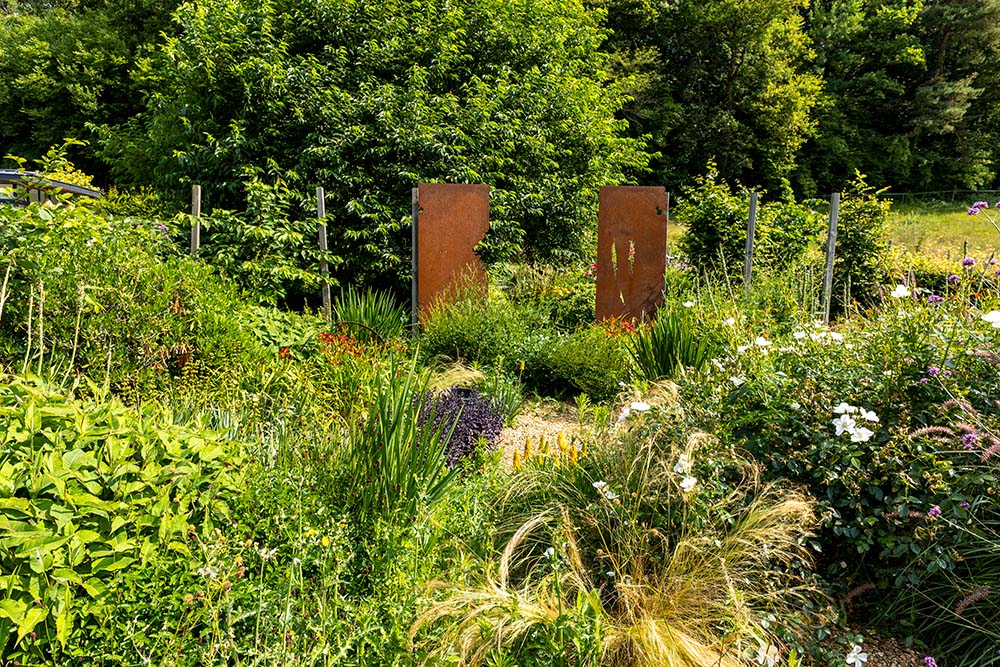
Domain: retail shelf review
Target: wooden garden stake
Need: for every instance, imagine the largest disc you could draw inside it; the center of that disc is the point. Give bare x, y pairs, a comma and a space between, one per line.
751, 230
831, 244
324, 268
196, 222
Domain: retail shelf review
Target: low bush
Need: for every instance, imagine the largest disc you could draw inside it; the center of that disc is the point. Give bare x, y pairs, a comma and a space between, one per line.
590, 361
471, 419
669, 345
87, 491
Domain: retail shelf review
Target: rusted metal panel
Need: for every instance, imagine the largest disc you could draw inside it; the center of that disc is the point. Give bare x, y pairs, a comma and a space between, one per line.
631, 251
451, 220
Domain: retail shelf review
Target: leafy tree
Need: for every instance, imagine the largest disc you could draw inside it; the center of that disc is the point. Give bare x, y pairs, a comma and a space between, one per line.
58, 71
367, 99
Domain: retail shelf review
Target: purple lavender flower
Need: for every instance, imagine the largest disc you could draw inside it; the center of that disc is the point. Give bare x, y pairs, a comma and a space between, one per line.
978, 206
930, 662
992, 262
964, 504
933, 370
952, 279
934, 510
934, 298
969, 261
969, 440
924, 380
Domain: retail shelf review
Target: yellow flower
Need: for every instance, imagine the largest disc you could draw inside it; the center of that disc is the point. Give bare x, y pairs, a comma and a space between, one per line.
572, 454
325, 541
561, 441
517, 460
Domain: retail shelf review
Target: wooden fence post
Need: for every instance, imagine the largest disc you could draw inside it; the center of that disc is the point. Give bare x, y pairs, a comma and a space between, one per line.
196, 222
324, 268
831, 245
751, 230
414, 215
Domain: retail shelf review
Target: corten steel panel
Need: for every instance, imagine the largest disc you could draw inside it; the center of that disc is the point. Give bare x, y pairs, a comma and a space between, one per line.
631, 251
452, 219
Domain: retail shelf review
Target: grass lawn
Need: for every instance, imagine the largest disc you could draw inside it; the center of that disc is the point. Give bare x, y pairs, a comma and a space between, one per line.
944, 230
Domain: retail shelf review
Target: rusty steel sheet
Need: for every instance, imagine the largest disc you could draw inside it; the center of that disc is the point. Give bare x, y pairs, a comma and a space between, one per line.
451, 220
631, 251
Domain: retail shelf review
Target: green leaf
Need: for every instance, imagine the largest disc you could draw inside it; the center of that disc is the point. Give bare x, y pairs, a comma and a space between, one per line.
32, 618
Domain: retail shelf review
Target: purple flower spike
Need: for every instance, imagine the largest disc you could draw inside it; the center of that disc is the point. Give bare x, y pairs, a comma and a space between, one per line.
930, 662
934, 510
964, 504
969, 439
969, 261
953, 279
924, 380
934, 298
933, 370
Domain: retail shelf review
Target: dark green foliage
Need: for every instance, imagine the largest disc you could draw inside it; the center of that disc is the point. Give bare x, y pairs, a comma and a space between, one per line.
504, 390
368, 99
668, 346
717, 220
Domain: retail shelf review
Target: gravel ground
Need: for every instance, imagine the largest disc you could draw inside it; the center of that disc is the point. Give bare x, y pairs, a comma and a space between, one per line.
548, 419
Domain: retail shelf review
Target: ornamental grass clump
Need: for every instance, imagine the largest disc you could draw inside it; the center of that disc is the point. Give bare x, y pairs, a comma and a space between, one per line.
651, 550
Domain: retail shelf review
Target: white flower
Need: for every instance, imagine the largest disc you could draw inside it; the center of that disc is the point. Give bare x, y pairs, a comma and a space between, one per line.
639, 406
737, 380
624, 414
767, 655
993, 317
844, 409
901, 292
799, 334
550, 552
265, 553
869, 416
610, 573
683, 465
207, 572
688, 304
760, 341
844, 424
856, 658
740, 349
718, 364
836, 335
688, 484
861, 434
795, 406
600, 485
729, 321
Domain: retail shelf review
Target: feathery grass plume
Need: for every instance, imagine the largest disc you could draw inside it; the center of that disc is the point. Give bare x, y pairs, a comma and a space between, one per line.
964, 427
445, 375
971, 598
858, 591
937, 432
653, 587
991, 451
964, 406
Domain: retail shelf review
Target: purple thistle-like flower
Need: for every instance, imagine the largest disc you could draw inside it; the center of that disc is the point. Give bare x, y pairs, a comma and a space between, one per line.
933, 370
992, 262
964, 504
934, 298
924, 380
934, 510
952, 279
969, 261
969, 440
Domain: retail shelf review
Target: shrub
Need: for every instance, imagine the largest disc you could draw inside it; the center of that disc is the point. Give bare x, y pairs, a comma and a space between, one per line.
590, 361
470, 417
860, 264
87, 490
716, 219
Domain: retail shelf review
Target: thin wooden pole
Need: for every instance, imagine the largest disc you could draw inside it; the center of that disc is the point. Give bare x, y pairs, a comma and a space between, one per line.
751, 231
831, 245
324, 268
196, 222
414, 267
